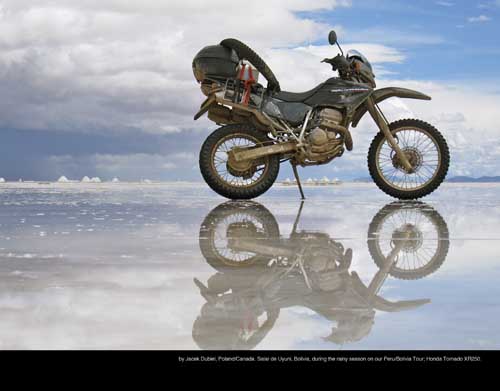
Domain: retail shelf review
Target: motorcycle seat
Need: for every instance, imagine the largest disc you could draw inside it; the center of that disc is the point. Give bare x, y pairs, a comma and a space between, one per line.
297, 96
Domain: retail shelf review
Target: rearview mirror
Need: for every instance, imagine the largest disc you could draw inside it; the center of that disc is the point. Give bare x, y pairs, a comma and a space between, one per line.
332, 37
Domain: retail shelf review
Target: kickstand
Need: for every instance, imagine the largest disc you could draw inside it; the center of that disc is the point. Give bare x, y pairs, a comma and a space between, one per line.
296, 223
295, 172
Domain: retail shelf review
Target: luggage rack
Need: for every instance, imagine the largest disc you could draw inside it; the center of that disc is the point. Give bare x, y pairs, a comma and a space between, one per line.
235, 90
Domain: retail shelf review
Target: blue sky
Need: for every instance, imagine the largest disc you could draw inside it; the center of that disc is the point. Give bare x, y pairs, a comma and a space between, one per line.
443, 40
106, 89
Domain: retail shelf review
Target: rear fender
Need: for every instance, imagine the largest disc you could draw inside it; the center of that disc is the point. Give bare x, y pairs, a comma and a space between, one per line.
386, 93
205, 106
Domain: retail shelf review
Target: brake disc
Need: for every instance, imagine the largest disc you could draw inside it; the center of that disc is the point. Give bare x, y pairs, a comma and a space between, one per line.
414, 158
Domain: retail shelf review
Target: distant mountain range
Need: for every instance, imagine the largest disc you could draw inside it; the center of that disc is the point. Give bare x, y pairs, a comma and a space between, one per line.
456, 179
483, 179
364, 179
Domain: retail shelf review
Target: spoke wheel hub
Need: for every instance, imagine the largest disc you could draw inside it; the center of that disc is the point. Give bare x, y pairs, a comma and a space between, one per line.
244, 169
414, 158
412, 237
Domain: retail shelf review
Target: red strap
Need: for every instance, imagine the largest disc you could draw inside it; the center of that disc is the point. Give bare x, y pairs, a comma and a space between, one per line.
250, 75
242, 71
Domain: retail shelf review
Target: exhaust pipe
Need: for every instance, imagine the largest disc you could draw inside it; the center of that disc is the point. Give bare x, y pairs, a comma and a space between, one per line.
240, 155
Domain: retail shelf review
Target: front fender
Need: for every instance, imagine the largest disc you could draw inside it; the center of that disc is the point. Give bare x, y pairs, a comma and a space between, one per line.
386, 93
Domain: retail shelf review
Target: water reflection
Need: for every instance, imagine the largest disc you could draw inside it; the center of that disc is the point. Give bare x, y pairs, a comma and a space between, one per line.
260, 271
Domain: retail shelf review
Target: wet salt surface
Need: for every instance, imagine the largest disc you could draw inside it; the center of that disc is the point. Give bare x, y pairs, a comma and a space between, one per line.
113, 266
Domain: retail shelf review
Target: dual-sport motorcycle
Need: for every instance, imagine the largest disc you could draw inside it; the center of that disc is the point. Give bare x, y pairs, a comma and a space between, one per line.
259, 272
264, 127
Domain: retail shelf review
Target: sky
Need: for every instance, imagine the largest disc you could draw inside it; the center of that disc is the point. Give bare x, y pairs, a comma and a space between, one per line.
105, 88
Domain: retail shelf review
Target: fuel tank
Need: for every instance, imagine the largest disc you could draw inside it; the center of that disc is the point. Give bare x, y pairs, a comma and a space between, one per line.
340, 93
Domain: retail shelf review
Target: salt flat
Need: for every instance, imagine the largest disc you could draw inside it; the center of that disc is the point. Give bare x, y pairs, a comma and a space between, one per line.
113, 265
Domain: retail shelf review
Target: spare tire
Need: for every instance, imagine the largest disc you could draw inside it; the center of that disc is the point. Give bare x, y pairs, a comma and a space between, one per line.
244, 52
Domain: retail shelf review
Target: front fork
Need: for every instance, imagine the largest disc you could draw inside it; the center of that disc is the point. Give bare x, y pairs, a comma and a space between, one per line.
384, 127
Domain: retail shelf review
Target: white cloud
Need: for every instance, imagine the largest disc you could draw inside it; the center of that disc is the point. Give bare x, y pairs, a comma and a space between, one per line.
479, 19
445, 3
90, 65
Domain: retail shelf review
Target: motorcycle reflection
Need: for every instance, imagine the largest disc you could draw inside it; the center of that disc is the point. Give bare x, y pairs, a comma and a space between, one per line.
260, 272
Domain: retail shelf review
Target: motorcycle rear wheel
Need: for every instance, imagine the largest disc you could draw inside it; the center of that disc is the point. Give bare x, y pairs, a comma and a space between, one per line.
216, 173
426, 149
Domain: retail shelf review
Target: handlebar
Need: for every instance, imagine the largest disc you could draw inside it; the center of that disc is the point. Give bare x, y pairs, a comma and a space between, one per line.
348, 71
338, 62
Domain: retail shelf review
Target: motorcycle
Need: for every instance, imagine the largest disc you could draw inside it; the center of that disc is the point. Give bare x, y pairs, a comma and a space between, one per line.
264, 127
259, 272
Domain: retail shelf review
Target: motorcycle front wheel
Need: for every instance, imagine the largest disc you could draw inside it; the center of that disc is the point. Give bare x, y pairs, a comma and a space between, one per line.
231, 183
427, 152
424, 233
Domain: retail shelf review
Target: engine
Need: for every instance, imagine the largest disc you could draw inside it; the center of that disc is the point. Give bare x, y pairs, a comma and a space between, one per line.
327, 137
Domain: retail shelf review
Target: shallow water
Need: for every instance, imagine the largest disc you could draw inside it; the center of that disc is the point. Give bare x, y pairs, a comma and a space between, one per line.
98, 266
